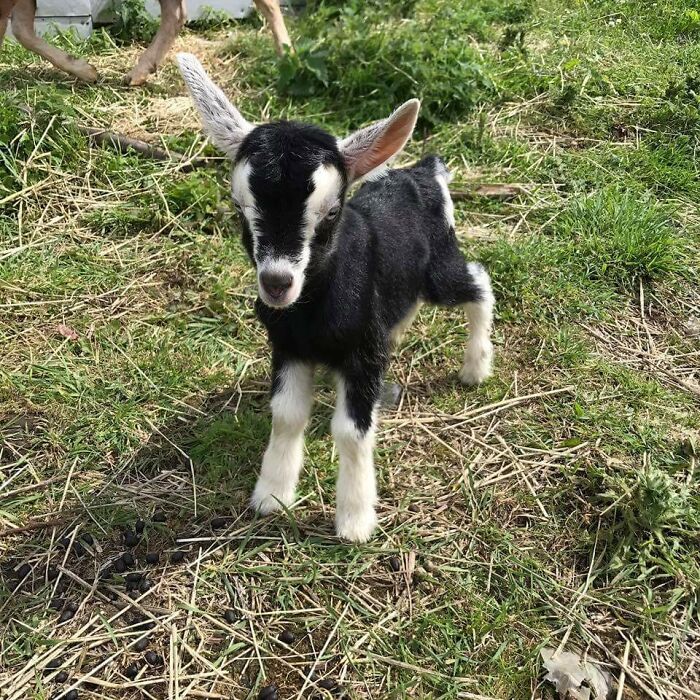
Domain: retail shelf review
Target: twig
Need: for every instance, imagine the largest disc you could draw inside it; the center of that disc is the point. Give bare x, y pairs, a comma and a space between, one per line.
124, 143
503, 192
32, 487
35, 526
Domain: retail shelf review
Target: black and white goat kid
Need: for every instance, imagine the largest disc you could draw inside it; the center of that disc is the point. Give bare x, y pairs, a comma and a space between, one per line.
340, 280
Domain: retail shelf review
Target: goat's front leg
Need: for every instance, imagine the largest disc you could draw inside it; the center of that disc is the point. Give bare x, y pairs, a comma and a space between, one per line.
23, 29
270, 9
172, 18
353, 427
292, 394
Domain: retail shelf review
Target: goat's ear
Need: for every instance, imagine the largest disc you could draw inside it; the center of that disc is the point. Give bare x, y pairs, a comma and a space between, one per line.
372, 147
222, 122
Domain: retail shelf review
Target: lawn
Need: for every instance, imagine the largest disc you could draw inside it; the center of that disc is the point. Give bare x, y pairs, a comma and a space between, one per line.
558, 505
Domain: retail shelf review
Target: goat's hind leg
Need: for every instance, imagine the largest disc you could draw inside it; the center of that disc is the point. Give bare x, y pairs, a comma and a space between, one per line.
454, 282
478, 355
23, 29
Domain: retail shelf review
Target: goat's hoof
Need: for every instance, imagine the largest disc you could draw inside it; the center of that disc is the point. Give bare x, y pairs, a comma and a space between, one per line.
476, 367
137, 76
356, 526
265, 501
473, 375
83, 70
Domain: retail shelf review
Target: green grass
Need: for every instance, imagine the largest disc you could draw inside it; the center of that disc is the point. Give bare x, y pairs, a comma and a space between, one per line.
570, 517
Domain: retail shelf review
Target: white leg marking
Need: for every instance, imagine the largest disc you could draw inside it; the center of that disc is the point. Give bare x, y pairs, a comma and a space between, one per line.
284, 456
356, 489
443, 178
478, 355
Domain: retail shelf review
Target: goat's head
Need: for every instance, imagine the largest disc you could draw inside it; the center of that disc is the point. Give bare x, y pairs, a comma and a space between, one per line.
289, 180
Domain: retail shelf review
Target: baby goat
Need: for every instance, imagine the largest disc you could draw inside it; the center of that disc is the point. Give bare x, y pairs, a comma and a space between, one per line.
338, 280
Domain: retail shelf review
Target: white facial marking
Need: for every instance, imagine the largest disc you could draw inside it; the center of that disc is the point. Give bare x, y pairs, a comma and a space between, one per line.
478, 354
327, 186
356, 488
240, 190
284, 456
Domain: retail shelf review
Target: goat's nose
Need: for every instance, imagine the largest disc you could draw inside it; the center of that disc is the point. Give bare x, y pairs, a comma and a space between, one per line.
276, 283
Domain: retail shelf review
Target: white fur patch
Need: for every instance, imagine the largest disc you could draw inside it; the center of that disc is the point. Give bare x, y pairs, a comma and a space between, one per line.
356, 488
478, 355
243, 196
284, 456
327, 185
443, 178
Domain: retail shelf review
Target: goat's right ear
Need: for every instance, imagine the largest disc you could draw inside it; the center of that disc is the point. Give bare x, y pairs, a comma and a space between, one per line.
222, 122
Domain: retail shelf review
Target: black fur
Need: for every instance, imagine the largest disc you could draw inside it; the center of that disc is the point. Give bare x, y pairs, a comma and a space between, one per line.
283, 157
391, 246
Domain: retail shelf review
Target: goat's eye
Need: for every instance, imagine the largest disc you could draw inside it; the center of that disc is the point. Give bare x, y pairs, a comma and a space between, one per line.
333, 212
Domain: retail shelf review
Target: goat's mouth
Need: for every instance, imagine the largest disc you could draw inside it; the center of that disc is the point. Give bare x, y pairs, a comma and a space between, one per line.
276, 298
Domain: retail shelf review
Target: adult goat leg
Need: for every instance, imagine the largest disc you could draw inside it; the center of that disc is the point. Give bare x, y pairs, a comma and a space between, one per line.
172, 18
6, 7
23, 29
270, 10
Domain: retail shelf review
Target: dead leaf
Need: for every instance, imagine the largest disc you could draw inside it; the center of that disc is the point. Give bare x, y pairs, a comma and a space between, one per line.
67, 332
574, 678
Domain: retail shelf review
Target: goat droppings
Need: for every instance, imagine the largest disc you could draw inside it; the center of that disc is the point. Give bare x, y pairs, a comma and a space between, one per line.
130, 539
217, 523
153, 659
65, 616
287, 637
131, 671
269, 692
120, 566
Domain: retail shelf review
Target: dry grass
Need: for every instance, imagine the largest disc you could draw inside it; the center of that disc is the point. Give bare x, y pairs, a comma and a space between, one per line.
504, 510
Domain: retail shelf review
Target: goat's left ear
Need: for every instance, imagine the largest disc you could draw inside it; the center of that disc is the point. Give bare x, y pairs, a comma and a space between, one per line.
372, 147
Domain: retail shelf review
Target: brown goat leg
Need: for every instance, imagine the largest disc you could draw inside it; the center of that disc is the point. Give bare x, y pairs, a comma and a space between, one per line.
23, 29
270, 10
6, 7
172, 18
